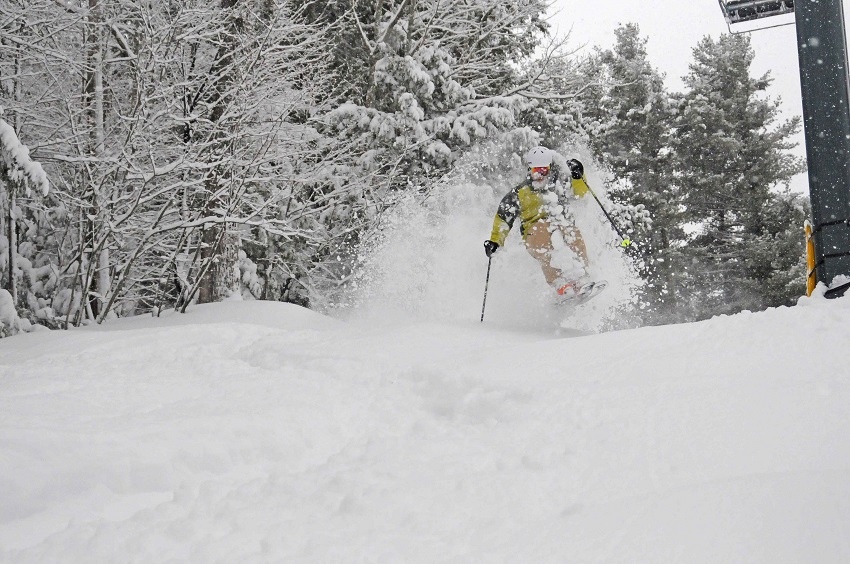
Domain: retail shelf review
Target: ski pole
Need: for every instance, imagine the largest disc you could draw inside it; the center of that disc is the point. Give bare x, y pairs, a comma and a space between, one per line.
626, 242
486, 284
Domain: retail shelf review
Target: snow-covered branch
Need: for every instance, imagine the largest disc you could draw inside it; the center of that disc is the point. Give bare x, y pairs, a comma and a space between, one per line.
16, 166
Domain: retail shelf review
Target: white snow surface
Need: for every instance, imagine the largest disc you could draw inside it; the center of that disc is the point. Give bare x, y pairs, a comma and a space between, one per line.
264, 432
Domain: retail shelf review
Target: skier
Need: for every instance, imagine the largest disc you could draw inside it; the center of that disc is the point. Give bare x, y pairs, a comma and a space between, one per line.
550, 235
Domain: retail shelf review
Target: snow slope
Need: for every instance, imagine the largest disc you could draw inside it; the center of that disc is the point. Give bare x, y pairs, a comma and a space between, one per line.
262, 432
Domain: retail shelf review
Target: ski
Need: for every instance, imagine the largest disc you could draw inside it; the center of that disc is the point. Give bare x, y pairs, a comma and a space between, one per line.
837, 292
588, 292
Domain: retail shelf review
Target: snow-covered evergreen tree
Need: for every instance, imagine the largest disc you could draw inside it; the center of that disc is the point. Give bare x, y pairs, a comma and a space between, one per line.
429, 80
19, 174
733, 169
630, 130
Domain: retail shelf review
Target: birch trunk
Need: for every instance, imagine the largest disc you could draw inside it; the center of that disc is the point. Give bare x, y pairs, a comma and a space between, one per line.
93, 91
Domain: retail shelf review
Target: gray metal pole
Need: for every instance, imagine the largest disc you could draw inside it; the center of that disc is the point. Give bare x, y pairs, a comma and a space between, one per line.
826, 116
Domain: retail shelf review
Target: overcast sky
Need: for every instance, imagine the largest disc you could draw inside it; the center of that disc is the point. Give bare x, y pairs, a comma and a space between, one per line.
674, 27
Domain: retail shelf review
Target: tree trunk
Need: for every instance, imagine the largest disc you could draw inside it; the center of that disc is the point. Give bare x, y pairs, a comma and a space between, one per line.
218, 244
222, 278
13, 246
104, 279
93, 96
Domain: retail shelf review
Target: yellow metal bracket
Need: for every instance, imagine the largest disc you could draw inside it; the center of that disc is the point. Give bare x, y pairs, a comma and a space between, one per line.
811, 270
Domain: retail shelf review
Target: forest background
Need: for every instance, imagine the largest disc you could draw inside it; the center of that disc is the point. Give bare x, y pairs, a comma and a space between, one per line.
196, 150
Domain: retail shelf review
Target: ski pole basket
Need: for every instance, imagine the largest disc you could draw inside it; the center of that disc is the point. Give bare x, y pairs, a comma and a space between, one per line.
737, 11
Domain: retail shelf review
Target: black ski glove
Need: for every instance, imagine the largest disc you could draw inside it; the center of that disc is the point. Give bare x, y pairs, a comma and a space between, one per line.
490, 247
576, 168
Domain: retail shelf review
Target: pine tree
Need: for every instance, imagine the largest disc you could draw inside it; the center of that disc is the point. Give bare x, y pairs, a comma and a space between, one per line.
630, 131
31, 71
18, 174
731, 160
422, 81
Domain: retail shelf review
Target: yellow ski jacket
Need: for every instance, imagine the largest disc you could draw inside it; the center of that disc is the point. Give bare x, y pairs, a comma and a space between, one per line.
529, 205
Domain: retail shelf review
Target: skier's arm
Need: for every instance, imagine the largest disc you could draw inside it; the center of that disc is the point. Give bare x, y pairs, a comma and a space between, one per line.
505, 216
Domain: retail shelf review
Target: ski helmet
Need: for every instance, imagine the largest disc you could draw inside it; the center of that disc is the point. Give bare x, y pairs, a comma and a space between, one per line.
539, 156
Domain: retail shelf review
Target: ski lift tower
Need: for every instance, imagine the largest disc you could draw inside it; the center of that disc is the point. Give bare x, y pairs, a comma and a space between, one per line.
822, 49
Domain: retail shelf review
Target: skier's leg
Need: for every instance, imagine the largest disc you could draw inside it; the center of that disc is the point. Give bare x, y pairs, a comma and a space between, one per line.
575, 241
538, 241
569, 253
569, 256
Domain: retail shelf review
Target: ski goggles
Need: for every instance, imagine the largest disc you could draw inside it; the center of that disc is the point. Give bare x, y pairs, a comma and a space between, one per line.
539, 172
